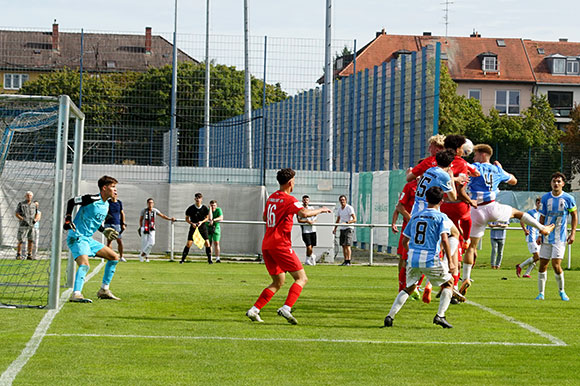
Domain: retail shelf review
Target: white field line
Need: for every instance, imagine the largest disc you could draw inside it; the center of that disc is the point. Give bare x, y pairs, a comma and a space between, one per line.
300, 340
555, 341
29, 350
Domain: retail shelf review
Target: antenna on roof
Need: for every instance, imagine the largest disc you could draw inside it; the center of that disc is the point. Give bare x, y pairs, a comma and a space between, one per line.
446, 16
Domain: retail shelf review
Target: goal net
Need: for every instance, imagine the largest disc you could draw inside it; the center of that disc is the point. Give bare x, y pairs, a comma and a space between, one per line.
33, 175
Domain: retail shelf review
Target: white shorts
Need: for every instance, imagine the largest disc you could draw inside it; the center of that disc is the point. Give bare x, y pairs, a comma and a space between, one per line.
494, 211
437, 275
533, 247
552, 251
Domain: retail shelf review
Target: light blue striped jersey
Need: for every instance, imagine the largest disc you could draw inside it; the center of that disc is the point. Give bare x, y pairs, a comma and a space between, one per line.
424, 232
484, 188
434, 176
90, 216
534, 232
555, 209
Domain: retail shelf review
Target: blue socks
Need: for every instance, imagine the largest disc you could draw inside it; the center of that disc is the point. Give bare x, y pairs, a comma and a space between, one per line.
80, 277
110, 269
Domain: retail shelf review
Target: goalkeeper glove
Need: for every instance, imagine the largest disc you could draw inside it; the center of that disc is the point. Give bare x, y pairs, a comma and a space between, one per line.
68, 224
110, 234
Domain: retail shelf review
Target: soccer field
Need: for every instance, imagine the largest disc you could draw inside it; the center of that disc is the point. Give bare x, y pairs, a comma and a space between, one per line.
185, 324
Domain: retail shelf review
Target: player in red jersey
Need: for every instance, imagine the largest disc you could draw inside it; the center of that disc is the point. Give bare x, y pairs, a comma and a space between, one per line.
277, 251
404, 207
436, 144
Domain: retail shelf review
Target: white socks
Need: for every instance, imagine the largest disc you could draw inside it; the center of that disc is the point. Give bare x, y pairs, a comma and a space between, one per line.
530, 268
467, 271
529, 220
530, 260
398, 303
560, 280
444, 301
105, 286
542, 277
453, 244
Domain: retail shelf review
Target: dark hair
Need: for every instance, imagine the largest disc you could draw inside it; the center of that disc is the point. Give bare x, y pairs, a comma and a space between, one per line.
150, 199
285, 175
445, 157
305, 196
341, 196
454, 141
558, 175
213, 202
198, 195
434, 195
106, 180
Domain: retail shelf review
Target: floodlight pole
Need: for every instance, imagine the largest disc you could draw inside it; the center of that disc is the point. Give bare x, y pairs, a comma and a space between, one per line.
328, 126
247, 88
207, 86
173, 124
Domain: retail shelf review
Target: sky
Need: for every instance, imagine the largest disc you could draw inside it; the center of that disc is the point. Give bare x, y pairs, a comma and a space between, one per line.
529, 19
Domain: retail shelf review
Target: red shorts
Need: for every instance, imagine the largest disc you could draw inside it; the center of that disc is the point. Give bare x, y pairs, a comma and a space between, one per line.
281, 260
401, 251
460, 214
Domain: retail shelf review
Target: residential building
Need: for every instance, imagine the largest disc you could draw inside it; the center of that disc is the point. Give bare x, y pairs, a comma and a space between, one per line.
24, 55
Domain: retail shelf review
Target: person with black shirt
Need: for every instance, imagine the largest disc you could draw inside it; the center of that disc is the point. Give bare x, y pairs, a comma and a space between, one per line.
197, 215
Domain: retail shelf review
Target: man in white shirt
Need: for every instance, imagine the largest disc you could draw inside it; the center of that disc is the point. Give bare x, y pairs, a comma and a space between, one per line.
344, 216
308, 232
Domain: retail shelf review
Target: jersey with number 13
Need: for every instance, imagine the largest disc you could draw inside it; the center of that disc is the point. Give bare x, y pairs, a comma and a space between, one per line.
279, 213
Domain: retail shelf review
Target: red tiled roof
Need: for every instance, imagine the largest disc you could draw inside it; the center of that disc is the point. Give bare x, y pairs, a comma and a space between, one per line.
540, 65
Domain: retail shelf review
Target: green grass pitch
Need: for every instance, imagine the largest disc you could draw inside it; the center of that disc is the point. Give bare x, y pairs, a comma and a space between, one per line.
185, 324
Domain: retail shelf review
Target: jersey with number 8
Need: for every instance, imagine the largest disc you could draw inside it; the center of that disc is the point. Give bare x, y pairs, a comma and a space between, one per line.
424, 232
279, 213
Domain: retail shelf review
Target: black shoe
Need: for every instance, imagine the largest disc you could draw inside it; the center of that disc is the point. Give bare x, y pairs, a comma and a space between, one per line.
29, 257
209, 261
19, 256
181, 262
441, 321
388, 322
345, 263
454, 301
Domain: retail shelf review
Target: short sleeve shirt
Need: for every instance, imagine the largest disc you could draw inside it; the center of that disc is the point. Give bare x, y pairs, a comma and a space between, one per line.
485, 187
307, 228
27, 211
196, 214
424, 165
407, 196
215, 214
555, 209
279, 213
345, 215
432, 177
424, 233
533, 231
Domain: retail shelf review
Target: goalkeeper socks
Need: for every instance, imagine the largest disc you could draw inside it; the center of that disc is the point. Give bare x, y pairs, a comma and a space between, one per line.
110, 269
530, 269
398, 303
402, 279
208, 253
293, 295
185, 253
529, 220
264, 298
560, 280
80, 277
542, 277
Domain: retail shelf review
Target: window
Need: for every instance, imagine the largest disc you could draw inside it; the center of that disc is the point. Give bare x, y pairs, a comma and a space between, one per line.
559, 66
572, 67
14, 81
500, 42
541, 51
507, 102
475, 94
561, 102
489, 63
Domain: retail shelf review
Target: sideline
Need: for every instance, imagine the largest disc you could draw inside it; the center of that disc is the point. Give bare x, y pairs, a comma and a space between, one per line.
30, 349
304, 340
555, 341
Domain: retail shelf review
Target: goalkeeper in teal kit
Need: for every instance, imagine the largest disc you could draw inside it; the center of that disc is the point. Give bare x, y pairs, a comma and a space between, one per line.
90, 217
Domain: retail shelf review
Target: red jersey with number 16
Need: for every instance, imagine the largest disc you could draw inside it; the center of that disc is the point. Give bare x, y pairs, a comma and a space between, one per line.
279, 213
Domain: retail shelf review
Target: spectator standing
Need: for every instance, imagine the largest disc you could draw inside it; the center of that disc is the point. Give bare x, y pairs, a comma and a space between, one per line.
345, 215
27, 214
214, 229
147, 228
497, 237
308, 231
116, 220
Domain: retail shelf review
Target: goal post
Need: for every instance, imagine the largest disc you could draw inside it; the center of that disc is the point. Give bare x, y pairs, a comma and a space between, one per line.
35, 162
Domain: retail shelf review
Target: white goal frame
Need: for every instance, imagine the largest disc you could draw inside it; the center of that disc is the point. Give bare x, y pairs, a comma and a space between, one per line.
66, 112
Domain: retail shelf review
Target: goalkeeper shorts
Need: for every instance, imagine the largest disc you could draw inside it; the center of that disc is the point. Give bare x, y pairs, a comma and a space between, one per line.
81, 245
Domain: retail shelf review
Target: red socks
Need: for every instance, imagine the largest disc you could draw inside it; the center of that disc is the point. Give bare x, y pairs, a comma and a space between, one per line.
293, 295
264, 298
402, 279
455, 280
